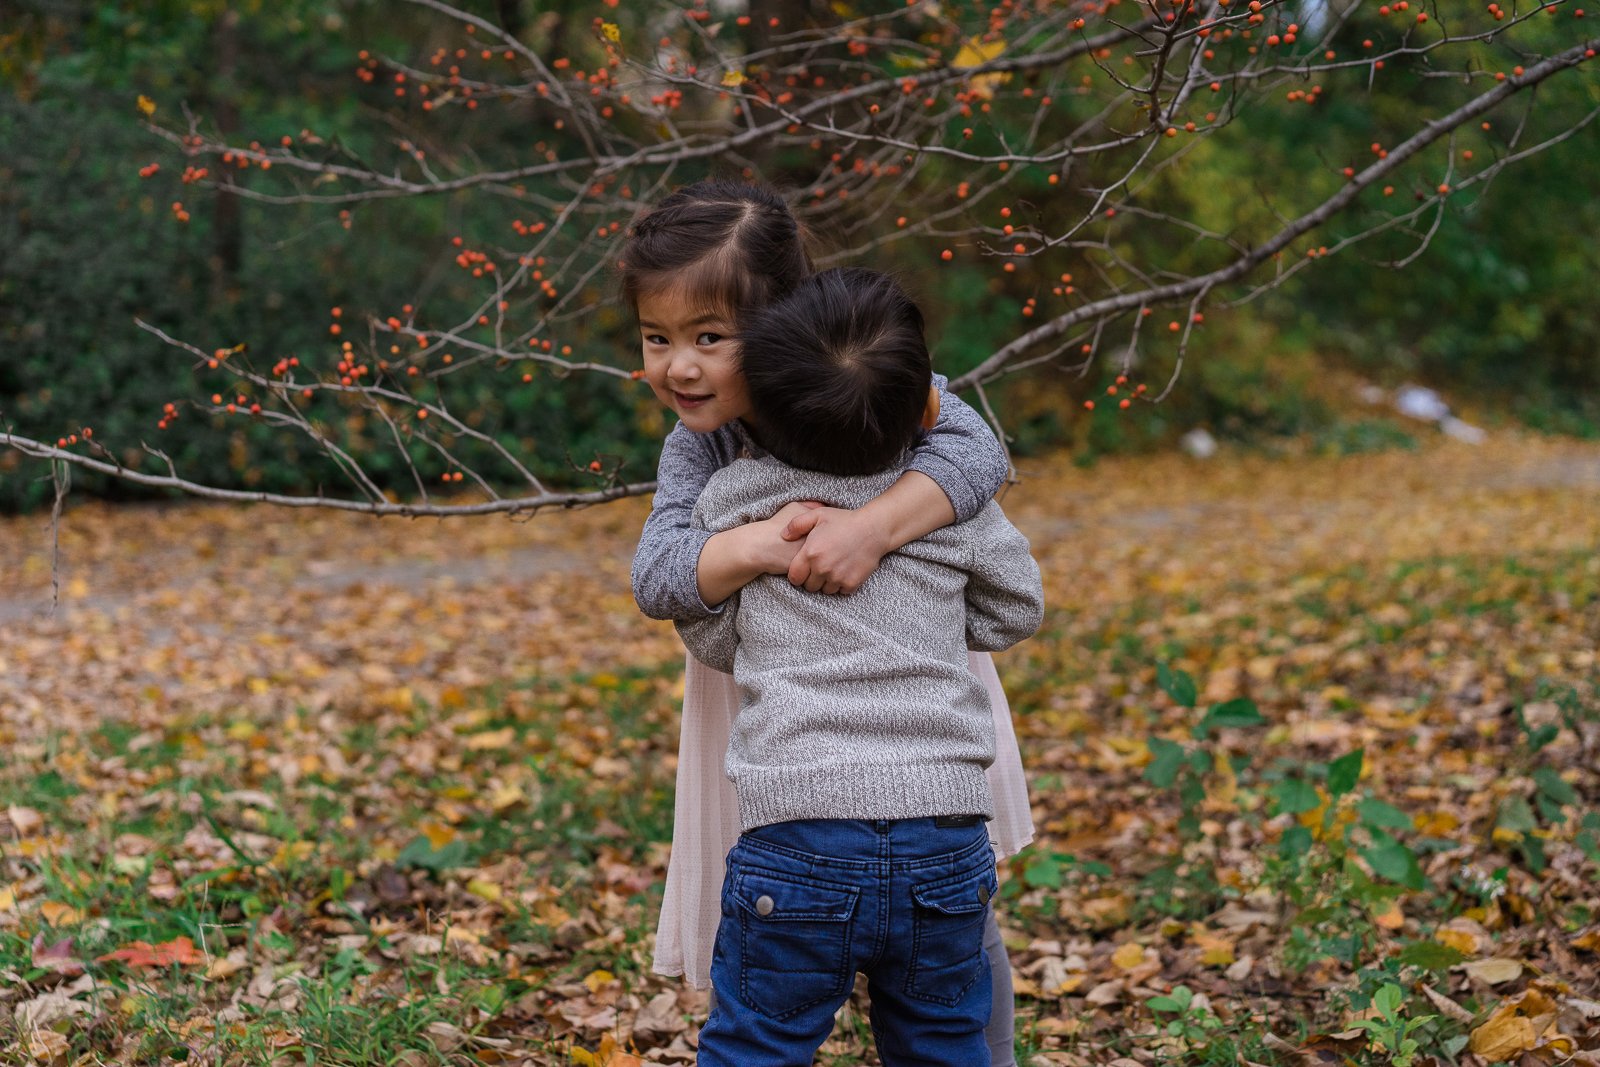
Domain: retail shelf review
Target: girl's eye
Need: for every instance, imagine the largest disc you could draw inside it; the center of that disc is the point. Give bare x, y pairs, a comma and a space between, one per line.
654, 339
706, 340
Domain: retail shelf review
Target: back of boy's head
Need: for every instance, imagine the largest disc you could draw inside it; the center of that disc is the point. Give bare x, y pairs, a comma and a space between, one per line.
724, 246
838, 372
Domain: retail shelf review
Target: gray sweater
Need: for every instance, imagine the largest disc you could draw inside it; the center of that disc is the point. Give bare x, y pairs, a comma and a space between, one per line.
960, 454
862, 706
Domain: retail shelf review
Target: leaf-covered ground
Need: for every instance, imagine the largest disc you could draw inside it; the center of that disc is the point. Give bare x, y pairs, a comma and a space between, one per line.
1313, 746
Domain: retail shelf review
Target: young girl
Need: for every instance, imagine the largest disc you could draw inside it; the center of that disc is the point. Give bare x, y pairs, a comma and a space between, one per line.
692, 265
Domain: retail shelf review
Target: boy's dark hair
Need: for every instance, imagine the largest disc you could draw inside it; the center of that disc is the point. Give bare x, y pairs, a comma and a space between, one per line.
729, 246
838, 372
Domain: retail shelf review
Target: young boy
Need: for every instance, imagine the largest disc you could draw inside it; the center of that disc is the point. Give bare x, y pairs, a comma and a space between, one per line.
859, 752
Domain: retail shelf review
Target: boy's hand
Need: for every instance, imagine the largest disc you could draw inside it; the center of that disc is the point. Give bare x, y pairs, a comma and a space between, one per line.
841, 548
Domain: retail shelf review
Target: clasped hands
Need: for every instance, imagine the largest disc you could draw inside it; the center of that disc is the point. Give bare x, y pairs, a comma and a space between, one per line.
822, 549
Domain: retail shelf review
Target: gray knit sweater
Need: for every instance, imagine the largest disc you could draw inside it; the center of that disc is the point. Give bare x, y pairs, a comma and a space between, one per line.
960, 454
862, 706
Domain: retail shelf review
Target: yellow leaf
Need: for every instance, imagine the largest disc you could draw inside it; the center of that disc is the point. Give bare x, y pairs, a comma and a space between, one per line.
1503, 1037
1215, 951
611, 31
730, 78
8, 898
478, 887
1129, 956
506, 796
1460, 940
438, 834
1515, 1026
976, 51
241, 731
1436, 824
598, 980
583, 1057
292, 852
58, 914
146, 105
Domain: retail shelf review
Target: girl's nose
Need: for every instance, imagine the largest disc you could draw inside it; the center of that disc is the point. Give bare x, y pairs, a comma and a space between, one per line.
683, 367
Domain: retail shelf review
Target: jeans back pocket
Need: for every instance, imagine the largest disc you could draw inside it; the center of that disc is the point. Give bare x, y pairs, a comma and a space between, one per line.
794, 939
947, 950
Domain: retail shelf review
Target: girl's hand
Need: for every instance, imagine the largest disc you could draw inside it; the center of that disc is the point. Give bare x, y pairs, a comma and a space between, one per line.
840, 550
769, 543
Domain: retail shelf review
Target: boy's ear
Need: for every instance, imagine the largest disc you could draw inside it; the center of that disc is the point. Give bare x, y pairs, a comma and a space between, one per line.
930, 413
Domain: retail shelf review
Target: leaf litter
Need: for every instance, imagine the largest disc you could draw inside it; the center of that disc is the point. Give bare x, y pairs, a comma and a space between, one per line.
279, 785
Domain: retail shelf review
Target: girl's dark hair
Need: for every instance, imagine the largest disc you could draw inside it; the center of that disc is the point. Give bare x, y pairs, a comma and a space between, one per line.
728, 246
838, 372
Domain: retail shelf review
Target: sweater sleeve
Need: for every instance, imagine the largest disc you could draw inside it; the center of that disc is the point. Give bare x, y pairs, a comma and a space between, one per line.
713, 639
1005, 596
961, 455
666, 564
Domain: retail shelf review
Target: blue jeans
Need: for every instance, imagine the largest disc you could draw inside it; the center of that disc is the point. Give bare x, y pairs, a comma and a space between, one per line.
807, 904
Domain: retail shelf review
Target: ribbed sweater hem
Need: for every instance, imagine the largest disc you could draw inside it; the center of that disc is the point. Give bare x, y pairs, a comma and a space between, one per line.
782, 794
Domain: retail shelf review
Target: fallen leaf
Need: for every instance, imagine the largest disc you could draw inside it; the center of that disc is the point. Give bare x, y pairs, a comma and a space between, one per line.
1515, 1026
1105, 993
1446, 1006
57, 958
45, 1045
1128, 956
1497, 970
659, 1019
25, 821
179, 951
58, 914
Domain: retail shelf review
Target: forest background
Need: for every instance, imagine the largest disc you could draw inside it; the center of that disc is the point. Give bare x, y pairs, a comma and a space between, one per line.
1496, 309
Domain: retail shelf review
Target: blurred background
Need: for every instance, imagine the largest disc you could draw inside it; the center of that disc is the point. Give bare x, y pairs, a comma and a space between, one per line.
1497, 313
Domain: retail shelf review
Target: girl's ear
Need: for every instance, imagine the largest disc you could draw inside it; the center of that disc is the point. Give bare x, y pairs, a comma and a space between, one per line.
930, 413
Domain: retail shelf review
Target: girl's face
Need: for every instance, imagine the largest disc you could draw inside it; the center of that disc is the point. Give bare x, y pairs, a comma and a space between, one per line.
691, 362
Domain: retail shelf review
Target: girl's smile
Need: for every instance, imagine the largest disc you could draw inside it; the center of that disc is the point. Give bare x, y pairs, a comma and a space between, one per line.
691, 361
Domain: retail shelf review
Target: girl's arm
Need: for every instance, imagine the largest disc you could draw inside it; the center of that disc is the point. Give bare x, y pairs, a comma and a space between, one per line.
680, 571
955, 471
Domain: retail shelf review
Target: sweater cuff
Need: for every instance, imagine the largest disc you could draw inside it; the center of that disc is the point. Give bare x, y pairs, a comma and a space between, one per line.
692, 592
952, 480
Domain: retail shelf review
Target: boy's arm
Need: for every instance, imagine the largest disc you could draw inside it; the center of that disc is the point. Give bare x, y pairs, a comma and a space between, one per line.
1005, 596
962, 455
955, 471
680, 571
713, 639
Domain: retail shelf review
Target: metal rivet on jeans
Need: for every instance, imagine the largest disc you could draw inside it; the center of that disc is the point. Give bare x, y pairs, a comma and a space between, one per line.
764, 905
983, 894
